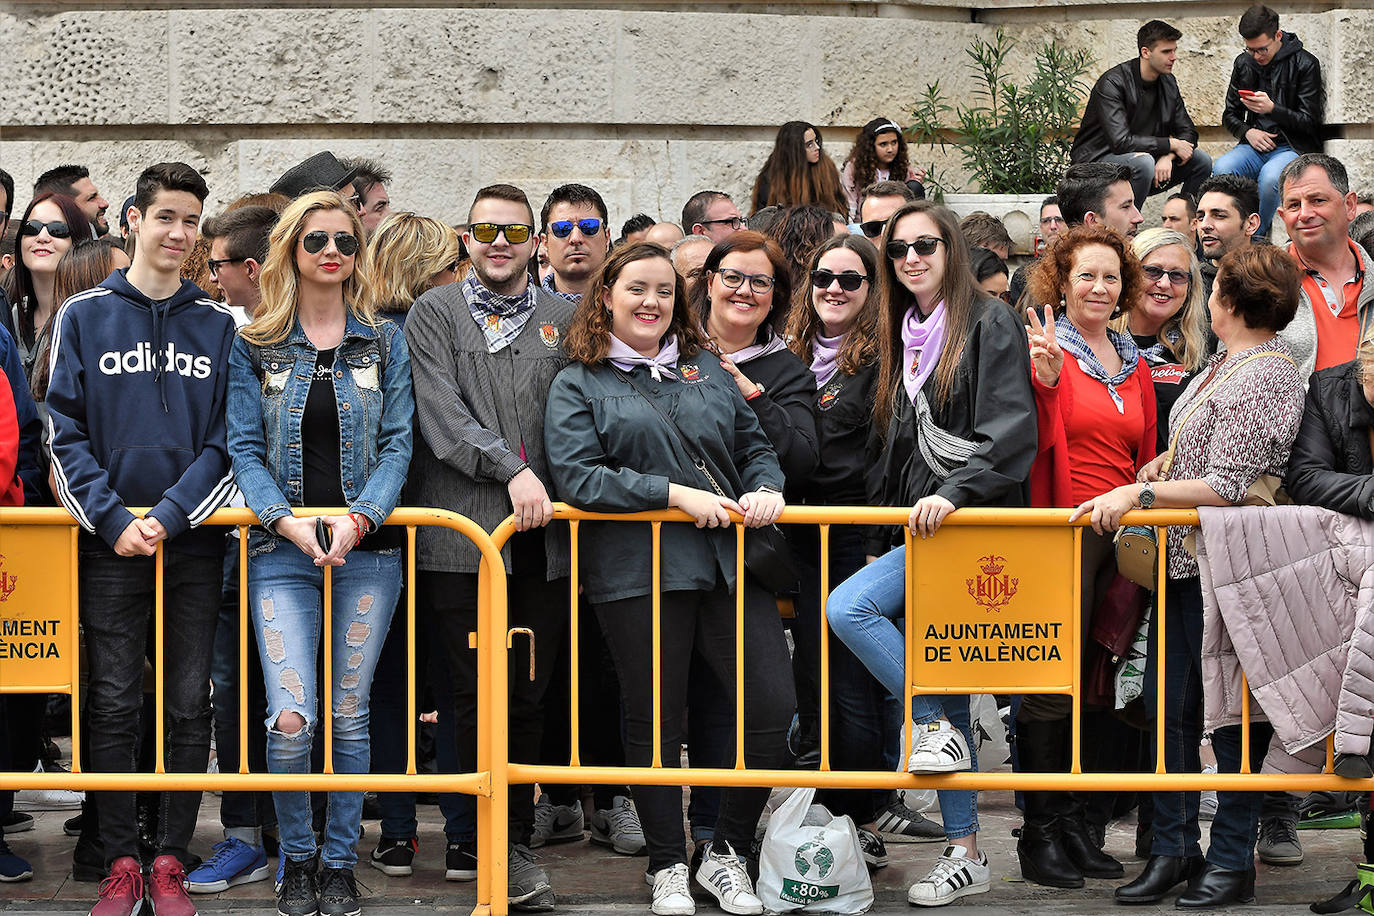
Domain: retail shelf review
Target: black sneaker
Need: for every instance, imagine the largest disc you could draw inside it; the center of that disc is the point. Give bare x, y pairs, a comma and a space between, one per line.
297, 895
72, 825
460, 862
17, 822
875, 851
393, 856
338, 892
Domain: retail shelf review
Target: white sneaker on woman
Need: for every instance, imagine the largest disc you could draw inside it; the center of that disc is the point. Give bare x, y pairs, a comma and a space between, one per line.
939, 748
673, 892
722, 873
954, 876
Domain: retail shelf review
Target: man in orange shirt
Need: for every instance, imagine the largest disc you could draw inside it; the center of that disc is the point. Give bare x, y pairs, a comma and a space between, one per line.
1317, 206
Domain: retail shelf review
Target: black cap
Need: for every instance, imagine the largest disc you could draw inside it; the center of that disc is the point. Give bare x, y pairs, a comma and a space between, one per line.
124, 213
320, 172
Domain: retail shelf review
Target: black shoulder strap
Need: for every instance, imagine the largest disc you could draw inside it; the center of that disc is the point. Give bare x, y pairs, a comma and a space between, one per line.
693, 454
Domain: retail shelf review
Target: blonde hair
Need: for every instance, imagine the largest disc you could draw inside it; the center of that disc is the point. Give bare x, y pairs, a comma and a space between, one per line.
1190, 320
279, 285
406, 252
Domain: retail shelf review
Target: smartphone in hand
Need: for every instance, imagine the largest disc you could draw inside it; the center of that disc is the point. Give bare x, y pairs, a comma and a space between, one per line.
324, 535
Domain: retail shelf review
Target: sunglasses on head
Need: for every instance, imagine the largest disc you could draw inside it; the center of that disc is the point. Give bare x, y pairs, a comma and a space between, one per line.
515, 233
924, 246
56, 229
345, 242
563, 228
849, 281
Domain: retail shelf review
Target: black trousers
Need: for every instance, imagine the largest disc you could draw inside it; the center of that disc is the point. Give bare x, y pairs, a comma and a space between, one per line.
702, 623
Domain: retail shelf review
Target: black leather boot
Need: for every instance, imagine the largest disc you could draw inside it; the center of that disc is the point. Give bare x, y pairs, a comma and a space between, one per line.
1040, 849
1161, 875
1078, 843
1217, 887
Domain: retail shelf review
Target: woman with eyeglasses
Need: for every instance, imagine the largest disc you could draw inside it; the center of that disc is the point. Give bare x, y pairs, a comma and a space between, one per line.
798, 171
954, 402
51, 225
1169, 323
319, 414
990, 273
879, 154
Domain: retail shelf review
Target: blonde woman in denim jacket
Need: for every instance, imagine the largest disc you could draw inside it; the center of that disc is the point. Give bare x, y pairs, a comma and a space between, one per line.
320, 409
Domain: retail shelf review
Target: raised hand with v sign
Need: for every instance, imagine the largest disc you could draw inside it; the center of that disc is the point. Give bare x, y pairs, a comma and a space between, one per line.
1046, 355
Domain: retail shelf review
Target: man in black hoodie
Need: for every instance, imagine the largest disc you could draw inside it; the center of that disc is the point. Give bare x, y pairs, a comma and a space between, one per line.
1273, 107
136, 413
1136, 117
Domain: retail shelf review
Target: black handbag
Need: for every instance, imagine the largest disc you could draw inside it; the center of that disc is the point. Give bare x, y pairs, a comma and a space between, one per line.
767, 555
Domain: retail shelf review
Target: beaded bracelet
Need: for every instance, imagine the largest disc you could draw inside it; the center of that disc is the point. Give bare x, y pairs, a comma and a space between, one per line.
360, 523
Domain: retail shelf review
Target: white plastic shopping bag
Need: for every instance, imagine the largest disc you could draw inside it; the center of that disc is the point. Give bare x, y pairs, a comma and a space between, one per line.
812, 869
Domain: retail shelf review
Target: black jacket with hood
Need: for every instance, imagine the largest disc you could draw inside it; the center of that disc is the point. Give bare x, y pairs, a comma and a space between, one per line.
1106, 127
1293, 79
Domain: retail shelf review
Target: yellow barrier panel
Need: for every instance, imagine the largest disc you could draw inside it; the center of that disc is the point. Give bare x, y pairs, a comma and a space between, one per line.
38, 637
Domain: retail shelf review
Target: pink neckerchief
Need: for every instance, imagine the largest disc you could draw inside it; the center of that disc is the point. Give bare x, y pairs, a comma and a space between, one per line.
623, 356
825, 357
923, 342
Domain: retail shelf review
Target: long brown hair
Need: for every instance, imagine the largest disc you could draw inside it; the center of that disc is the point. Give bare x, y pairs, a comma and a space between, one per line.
957, 290
19, 281
589, 333
84, 267
744, 241
863, 157
788, 180
861, 341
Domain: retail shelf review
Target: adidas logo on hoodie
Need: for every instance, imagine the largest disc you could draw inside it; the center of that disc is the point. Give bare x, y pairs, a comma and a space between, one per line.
143, 359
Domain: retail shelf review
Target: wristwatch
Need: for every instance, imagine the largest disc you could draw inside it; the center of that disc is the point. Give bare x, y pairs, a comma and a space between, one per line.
1147, 494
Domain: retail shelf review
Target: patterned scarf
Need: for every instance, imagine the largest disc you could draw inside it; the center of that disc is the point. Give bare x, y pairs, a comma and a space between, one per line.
548, 285
923, 340
1159, 353
501, 318
1074, 344
825, 357
623, 356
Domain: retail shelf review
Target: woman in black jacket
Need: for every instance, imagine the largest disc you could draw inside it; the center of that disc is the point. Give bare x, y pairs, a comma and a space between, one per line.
954, 396
1331, 465
641, 396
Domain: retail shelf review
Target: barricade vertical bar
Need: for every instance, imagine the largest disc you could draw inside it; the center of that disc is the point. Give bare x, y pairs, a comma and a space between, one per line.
1162, 542
909, 663
411, 712
739, 645
159, 663
75, 656
825, 648
328, 705
574, 722
1244, 723
1330, 754
657, 687
1076, 590
493, 752
243, 649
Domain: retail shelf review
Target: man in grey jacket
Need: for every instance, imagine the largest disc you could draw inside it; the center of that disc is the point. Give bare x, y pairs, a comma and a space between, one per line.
484, 352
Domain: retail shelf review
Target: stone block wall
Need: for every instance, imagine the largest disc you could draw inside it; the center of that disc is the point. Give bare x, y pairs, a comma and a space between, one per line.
646, 104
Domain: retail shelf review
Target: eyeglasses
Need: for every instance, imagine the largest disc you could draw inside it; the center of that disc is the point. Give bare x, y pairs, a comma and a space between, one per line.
735, 222
849, 280
873, 228
924, 246
1051, 220
1262, 49
515, 233
1155, 273
57, 229
734, 279
215, 263
563, 228
345, 242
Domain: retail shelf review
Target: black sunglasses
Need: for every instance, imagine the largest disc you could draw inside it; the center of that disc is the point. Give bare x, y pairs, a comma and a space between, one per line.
563, 228
346, 242
849, 281
924, 246
515, 233
873, 228
56, 229
216, 263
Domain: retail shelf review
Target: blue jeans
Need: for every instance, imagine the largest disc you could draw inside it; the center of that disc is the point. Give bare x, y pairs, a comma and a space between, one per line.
286, 596
1236, 826
1264, 168
1175, 813
866, 613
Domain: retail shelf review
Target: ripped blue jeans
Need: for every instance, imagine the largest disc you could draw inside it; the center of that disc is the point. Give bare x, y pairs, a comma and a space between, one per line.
286, 595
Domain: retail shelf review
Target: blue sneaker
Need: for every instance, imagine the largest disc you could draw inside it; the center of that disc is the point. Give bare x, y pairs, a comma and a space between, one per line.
233, 862
13, 868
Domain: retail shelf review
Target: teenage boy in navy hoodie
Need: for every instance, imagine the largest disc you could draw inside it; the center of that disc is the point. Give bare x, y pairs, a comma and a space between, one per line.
136, 416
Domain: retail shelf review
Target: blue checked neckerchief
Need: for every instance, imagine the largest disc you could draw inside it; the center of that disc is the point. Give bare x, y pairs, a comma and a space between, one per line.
1159, 352
501, 318
1074, 344
571, 297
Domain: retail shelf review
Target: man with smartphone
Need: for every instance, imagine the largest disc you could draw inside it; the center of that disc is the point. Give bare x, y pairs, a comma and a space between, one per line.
1273, 107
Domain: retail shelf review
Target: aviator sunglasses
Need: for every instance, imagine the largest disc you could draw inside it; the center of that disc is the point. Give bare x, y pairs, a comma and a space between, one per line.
56, 229
924, 246
515, 233
849, 281
346, 242
563, 228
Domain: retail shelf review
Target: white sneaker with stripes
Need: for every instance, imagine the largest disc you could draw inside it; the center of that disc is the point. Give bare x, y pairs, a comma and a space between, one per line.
954, 876
722, 873
939, 748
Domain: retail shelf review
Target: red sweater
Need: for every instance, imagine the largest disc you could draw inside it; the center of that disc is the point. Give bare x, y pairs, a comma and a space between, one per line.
1085, 446
11, 489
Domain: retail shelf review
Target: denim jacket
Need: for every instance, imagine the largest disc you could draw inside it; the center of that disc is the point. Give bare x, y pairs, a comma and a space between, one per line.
268, 387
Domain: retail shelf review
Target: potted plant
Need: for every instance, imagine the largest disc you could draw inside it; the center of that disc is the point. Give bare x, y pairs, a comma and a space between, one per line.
1013, 139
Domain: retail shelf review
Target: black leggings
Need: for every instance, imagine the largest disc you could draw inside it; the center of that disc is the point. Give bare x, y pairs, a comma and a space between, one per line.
701, 622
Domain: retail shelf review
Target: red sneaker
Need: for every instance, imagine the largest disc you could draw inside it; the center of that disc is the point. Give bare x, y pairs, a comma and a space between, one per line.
167, 888
121, 894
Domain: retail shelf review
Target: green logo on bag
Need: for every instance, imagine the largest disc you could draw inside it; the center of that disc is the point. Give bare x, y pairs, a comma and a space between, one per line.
814, 855
805, 892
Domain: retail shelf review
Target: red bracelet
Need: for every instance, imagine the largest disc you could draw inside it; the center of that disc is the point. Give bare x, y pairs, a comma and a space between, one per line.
360, 523
757, 392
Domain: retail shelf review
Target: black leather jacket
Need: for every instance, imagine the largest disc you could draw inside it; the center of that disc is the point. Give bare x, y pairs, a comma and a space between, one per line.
1106, 128
1330, 465
1293, 79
